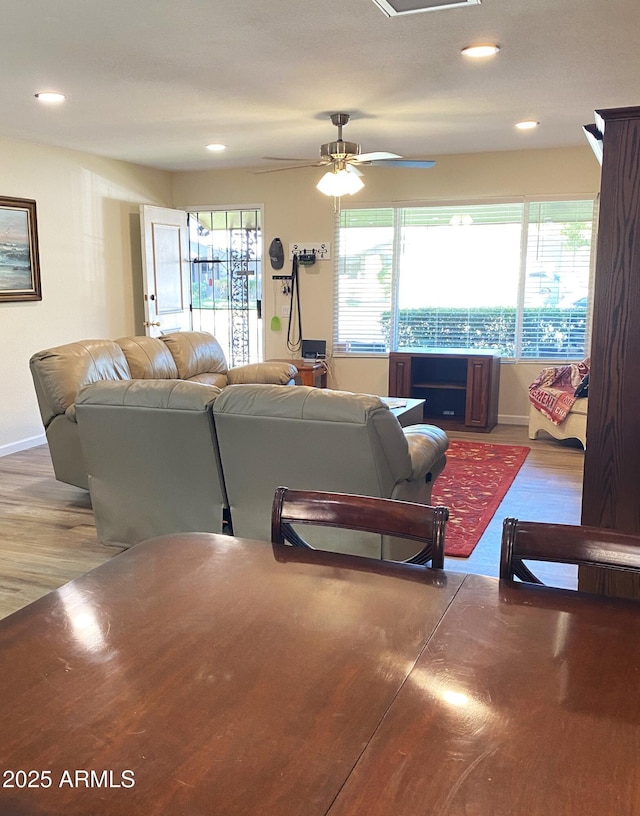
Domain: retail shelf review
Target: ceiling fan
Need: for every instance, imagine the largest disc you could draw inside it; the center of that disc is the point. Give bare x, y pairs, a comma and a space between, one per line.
345, 159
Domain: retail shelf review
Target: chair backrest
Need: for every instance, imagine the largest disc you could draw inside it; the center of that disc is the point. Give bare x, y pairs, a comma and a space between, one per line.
313, 438
566, 544
152, 458
418, 522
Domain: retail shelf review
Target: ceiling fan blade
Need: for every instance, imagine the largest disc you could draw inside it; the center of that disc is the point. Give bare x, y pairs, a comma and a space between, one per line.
292, 167
287, 159
380, 154
401, 163
351, 168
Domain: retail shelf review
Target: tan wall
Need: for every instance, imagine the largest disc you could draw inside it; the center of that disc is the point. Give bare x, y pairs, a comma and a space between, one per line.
296, 211
90, 258
88, 229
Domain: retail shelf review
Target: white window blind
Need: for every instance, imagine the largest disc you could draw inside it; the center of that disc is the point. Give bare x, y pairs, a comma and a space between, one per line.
556, 284
507, 276
363, 291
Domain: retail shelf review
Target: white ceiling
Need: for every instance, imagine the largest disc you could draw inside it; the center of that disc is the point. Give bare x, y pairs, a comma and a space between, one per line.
154, 81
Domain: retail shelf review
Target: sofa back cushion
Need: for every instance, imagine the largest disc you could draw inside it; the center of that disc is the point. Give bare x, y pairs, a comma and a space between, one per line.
196, 354
60, 372
148, 358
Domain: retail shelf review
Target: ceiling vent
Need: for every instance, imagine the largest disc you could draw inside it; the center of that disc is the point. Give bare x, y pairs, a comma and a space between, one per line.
395, 8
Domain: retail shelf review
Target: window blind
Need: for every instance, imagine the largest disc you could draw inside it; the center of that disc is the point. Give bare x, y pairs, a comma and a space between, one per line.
364, 280
508, 276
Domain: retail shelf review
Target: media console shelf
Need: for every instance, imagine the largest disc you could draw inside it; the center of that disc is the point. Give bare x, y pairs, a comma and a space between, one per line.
460, 386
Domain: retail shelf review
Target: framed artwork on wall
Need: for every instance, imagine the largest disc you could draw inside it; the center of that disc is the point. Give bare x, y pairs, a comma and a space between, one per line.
19, 259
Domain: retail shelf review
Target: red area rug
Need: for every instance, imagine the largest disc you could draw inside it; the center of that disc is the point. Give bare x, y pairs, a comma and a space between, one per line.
472, 485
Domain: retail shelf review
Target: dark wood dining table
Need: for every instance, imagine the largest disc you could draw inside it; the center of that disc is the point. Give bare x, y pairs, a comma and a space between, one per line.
206, 675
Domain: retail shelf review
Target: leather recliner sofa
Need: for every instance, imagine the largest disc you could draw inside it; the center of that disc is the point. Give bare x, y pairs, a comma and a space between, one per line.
260, 436
317, 439
60, 372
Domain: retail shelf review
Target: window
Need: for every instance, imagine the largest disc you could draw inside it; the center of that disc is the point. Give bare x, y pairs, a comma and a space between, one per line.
511, 276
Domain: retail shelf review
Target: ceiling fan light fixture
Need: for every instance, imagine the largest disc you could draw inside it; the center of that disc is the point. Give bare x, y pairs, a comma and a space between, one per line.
339, 182
480, 51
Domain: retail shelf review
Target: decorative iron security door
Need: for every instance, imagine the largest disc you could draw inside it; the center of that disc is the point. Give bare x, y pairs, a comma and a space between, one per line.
226, 280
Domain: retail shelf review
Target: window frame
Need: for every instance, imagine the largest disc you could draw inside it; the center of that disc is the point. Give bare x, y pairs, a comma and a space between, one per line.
525, 201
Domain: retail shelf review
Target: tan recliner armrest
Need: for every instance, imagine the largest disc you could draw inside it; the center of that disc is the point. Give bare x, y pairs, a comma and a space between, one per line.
60, 372
275, 373
427, 447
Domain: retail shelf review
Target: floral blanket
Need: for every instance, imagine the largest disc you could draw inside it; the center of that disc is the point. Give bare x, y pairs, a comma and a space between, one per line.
553, 391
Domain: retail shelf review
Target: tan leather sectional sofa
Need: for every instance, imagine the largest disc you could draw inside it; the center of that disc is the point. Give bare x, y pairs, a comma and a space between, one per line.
60, 372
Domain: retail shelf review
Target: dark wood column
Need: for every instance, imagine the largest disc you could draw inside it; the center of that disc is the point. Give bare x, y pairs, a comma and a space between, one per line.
611, 492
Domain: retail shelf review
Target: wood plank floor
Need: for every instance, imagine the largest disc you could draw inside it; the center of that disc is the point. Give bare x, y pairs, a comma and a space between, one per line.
47, 534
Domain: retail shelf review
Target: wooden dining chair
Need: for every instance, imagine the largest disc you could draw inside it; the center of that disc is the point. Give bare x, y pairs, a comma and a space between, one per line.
418, 522
566, 544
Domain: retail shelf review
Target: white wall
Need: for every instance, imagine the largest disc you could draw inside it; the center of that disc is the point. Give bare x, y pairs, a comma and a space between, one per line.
88, 231
296, 211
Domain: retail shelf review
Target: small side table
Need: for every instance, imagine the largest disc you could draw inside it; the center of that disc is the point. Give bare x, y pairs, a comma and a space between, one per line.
310, 372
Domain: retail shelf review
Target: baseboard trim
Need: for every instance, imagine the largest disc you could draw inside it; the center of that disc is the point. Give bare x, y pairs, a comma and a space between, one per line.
23, 444
512, 419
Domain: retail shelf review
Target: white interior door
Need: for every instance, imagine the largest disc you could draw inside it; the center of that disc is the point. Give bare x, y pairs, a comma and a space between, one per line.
166, 270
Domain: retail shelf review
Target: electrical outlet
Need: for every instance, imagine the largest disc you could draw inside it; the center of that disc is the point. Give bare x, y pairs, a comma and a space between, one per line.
284, 310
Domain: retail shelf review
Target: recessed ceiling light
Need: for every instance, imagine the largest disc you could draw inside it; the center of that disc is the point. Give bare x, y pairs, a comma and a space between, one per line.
216, 148
50, 96
528, 124
477, 51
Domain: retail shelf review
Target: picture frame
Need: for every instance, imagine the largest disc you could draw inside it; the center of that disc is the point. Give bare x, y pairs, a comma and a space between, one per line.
19, 255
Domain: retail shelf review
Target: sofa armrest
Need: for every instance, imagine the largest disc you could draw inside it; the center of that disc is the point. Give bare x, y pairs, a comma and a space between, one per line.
427, 447
276, 373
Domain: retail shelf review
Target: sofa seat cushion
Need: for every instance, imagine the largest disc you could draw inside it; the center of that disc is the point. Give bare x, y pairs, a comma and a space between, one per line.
195, 353
148, 358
